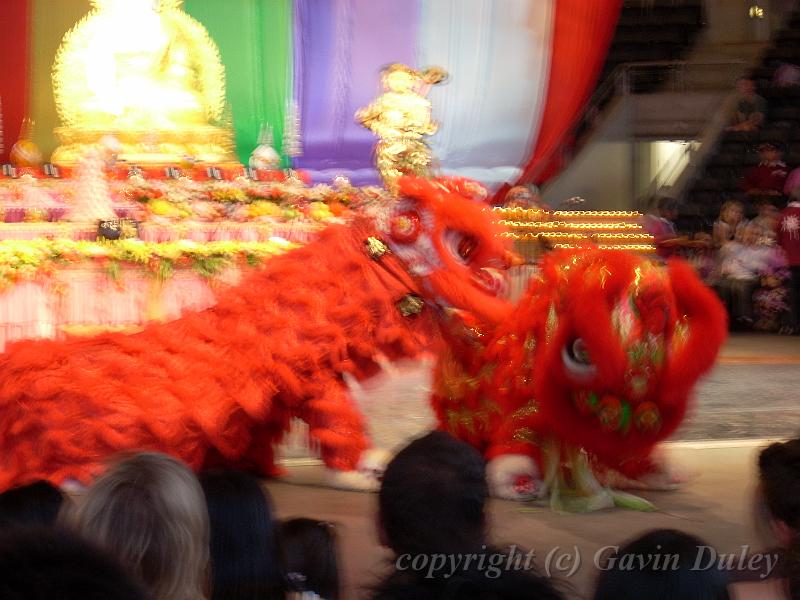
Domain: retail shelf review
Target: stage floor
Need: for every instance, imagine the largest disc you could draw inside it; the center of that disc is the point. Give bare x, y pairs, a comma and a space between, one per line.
751, 396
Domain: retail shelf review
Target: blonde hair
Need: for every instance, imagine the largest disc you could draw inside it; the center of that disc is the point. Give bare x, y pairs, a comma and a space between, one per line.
729, 205
149, 510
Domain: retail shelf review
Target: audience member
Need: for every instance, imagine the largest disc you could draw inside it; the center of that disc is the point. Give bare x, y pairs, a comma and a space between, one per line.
771, 299
41, 563
148, 510
765, 224
792, 183
521, 196
789, 240
768, 177
779, 494
660, 223
673, 577
750, 107
730, 225
35, 504
310, 557
244, 551
740, 266
432, 501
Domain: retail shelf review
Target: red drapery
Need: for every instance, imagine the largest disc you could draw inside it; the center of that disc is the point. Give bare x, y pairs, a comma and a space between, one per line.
14, 69
583, 32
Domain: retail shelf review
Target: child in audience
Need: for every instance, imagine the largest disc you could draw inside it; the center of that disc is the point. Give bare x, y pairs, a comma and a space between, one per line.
740, 267
244, 551
673, 578
432, 501
310, 560
768, 178
35, 504
771, 299
148, 511
765, 224
730, 225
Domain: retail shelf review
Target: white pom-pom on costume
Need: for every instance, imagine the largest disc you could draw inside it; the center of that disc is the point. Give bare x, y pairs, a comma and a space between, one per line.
505, 474
367, 476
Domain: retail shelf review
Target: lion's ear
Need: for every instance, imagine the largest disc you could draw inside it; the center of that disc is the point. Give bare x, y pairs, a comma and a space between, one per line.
698, 334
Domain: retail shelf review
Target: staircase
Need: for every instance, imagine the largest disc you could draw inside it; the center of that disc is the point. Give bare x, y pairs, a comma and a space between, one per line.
654, 31
648, 31
719, 179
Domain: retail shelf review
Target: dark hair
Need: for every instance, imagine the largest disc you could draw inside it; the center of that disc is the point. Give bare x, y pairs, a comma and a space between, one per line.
310, 562
34, 504
666, 203
659, 565
43, 562
432, 501
244, 556
779, 474
432, 497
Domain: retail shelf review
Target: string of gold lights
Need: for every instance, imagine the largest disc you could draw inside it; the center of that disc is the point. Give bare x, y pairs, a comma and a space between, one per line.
562, 225
640, 248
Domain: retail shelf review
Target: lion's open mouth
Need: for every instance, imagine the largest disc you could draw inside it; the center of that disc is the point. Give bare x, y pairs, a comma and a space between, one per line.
491, 280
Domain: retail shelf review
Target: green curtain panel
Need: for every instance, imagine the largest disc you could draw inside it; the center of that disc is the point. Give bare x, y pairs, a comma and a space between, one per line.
49, 22
255, 40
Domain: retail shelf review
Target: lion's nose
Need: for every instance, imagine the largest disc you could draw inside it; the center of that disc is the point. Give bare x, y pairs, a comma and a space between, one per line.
492, 280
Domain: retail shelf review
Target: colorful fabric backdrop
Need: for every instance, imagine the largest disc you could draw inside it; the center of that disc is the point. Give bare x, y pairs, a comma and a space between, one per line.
520, 73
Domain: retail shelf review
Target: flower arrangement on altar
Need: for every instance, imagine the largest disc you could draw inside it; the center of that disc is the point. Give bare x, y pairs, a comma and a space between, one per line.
186, 200
31, 259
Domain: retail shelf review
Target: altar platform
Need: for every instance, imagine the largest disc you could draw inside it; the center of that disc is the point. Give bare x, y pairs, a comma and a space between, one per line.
188, 227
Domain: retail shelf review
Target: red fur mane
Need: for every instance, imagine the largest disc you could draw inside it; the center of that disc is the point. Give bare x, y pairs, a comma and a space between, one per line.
221, 385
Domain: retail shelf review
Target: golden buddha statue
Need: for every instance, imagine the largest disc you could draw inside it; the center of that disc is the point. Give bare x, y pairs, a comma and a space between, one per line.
401, 117
147, 73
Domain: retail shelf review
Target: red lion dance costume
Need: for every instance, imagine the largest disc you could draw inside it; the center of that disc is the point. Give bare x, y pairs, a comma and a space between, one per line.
593, 369
220, 386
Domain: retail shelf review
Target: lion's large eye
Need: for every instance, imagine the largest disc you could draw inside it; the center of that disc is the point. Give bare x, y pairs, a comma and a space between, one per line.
462, 246
575, 356
467, 247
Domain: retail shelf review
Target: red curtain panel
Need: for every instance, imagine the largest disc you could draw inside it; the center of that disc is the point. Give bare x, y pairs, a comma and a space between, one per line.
583, 32
14, 69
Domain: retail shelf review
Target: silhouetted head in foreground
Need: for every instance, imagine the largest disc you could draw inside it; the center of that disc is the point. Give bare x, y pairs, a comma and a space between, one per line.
432, 503
663, 564
244, 553
148, 511
40, 563
35, 504
310, 557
